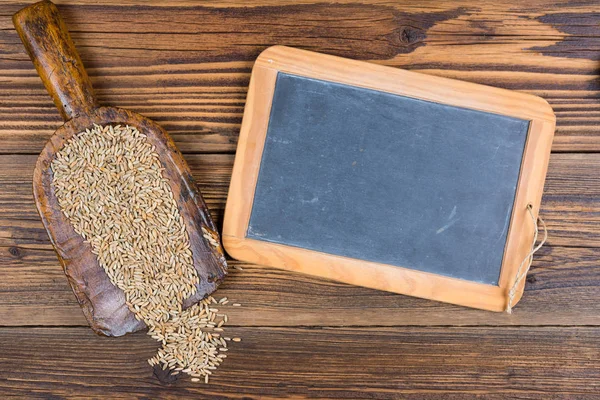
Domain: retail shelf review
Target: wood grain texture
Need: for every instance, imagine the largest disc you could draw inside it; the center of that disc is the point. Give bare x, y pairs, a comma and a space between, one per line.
333, 363
187, 65
570, 208
570, 204
563, 288
193, 80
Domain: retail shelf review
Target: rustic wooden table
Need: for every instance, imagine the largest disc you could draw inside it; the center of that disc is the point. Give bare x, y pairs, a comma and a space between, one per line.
187, 65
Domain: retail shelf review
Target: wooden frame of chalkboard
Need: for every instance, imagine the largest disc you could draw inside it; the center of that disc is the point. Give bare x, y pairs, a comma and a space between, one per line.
391, 278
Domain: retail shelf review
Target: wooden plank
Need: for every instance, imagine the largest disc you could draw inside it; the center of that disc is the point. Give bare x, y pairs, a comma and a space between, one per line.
568, 295
570, 206
411, 363
189, 70
207, 119
409, 6
563, 288
187, 66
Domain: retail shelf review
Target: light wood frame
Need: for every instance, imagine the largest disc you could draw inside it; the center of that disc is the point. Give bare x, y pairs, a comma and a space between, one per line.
396, 81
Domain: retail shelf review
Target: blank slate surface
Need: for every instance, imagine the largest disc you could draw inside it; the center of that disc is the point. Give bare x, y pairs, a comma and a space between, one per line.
385, 178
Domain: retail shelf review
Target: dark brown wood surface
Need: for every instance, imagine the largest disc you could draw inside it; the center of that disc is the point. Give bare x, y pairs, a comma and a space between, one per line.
186, 65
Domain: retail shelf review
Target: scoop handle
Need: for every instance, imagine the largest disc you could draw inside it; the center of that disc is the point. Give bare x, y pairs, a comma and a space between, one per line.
49, 45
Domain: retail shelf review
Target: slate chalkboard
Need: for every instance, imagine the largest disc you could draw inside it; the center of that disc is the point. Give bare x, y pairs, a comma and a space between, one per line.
387, 178
380, 177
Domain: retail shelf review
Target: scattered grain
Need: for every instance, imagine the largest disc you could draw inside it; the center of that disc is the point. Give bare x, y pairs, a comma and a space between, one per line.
109, 184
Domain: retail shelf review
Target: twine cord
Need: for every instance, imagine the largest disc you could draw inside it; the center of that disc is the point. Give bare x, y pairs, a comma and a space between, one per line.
526, 263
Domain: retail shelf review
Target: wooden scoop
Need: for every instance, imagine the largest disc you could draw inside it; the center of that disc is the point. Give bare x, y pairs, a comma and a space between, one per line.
49, 45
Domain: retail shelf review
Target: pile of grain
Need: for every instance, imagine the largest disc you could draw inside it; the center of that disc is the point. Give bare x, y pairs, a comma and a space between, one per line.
109, 184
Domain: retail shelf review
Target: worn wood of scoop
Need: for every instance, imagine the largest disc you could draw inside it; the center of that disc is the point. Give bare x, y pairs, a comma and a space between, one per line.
49, 45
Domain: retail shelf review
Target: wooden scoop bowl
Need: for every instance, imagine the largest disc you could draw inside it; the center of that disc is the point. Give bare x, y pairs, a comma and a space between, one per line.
49, 45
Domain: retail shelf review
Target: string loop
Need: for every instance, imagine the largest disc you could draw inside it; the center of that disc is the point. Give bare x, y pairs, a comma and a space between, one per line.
522, 272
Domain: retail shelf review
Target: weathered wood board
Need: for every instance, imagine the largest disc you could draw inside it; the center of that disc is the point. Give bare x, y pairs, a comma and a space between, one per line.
187, 66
